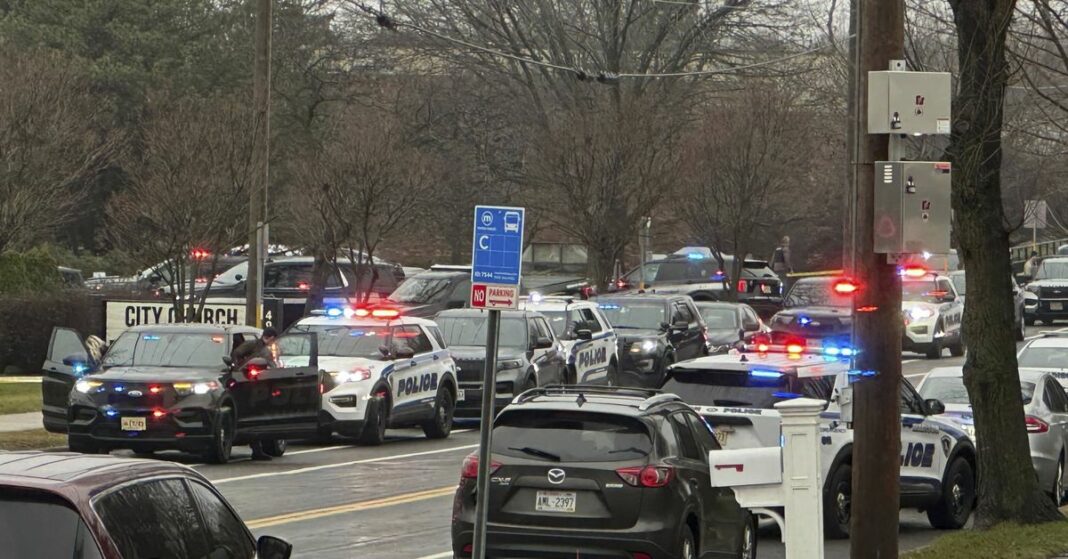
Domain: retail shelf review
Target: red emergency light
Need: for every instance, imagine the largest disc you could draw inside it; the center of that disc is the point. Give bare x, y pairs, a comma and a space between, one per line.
914, 271
846, 286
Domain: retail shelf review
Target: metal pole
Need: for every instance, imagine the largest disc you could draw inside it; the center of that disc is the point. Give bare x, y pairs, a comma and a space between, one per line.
489, 396
643, 248
877, 320
257, 207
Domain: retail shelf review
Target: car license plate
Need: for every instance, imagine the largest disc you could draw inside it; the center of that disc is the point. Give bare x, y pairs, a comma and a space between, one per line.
460, 396
555, 501
134, 424
1056, 306
722, 434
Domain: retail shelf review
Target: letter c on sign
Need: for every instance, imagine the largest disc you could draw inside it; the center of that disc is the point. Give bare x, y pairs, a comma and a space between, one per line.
483, 242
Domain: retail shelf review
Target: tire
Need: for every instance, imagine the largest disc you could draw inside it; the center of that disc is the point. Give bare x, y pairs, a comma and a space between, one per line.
611, 376
324, 435
837, 503
957, 349
222, 440
374, 427
687, 547
748, 544
440, 425
1029, 321
275, 448
958, 497
1020, 328
1058, 483
81, 446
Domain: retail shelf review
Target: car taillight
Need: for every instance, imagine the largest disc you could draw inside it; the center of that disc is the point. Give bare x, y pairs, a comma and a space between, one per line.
647, 476
742, 286
1036, 425
470, 468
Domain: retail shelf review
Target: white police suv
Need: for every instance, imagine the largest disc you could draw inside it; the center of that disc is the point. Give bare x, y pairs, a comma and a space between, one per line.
932, 312
582, 328
384, 370
736, 394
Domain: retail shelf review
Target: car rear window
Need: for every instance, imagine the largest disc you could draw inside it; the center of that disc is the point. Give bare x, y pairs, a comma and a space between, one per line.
570, 436
39, 525
730, 388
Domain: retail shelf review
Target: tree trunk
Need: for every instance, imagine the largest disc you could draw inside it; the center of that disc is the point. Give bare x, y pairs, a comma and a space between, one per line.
1008, 489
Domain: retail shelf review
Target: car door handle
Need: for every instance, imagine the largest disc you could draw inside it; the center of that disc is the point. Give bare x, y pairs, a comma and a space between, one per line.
436, 357
413, 363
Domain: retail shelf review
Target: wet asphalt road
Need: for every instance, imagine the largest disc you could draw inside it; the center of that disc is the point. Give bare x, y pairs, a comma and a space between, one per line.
340, 501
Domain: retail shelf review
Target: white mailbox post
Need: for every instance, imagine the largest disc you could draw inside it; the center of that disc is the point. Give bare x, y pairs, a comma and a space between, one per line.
789, 477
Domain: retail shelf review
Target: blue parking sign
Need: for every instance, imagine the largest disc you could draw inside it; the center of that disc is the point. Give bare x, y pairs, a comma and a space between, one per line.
497, 250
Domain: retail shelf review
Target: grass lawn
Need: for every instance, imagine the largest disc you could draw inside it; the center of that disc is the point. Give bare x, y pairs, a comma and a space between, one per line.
20, 397
29, 440
1005, 541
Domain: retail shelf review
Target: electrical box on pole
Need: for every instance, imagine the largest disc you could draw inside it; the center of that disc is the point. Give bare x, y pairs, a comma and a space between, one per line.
912, 207
909, 102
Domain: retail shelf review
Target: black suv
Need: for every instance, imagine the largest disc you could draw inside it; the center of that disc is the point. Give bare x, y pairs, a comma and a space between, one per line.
427, 293
586, 471
173, 387
1047, 295
701, 277
528, 355
654, 331
815, 313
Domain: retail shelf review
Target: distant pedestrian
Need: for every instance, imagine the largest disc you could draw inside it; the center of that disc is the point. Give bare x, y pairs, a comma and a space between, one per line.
1030, 268
253, 349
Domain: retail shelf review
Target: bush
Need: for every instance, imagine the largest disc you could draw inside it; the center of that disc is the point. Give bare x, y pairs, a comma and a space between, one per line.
29, 272
26, 323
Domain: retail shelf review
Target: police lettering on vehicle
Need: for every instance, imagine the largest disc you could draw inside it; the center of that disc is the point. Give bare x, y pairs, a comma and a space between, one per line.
414, 385
593, 356
918, 455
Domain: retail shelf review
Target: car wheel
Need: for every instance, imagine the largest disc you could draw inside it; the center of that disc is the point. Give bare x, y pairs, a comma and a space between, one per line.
935, 351
324, 435
1058, 483
611, 376
440, 425
275, 447
222, 440
75, 444
1020, 328
687, 548
957, 349
838, 503
374, 427
958, 497
749, 538
1029, 321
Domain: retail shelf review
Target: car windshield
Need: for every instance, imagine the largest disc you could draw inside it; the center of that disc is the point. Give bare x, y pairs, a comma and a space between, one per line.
231, 276
166, 349
1053, 269
559, 321
817, 293
41, 526
730, 388
951, 390
921, 290
958, 282
471, 331
570, 436
635, 315
1044, 357
348, 341
719, 318
420, 291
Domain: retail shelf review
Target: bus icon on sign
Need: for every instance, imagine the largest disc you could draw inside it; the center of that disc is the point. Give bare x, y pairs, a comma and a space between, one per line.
511, 222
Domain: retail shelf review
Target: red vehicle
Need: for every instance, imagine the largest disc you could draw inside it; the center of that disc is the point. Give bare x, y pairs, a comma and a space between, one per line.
104, 507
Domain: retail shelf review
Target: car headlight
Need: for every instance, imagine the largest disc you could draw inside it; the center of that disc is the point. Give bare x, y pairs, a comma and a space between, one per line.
644, 346
920, 313
970, 429
355, 375
85, 386
198, 388
509, 364
1033, 289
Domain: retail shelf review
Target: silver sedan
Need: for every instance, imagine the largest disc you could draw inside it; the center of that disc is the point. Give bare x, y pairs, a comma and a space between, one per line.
1045, 410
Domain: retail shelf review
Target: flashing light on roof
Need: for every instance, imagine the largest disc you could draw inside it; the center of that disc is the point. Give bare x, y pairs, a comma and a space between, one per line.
831, 350
200, 254
914, 271
536, 297
695, 256
385, 313
150, 338
762, 348
303, 286
785, 395
608, 306
795, 348
926, 255
765, 373
334, 312
846, 287
847, 352
804, 320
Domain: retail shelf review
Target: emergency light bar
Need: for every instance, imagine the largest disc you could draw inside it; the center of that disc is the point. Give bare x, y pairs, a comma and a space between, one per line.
358, 312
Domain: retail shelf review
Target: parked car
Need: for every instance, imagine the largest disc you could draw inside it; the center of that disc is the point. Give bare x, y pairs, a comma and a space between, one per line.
105, 507
730, 324
1018, 298
584, 471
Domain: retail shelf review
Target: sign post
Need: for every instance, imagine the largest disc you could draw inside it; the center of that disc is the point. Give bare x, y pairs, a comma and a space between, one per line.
496, 266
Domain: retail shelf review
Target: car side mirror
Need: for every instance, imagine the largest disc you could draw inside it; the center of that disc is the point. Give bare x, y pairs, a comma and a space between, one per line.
403, 353
934, 407
584, 334
681, 325
270, 547
228, 361
542, 342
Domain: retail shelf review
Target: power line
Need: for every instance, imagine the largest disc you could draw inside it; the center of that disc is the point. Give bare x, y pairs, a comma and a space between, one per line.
388, 22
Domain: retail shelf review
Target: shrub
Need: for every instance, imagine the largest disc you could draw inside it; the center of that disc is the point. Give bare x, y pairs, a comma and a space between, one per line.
27, 319
29, 272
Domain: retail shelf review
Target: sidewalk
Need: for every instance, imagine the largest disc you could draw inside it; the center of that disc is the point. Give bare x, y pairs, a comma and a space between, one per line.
20, 422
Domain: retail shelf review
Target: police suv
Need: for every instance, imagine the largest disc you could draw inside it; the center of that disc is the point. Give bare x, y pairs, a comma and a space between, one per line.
584, 332
932, 312
383, 370
736, 394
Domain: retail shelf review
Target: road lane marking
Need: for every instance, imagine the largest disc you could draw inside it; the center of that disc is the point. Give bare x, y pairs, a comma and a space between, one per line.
907, 361
312, 514
343, 464
442, 555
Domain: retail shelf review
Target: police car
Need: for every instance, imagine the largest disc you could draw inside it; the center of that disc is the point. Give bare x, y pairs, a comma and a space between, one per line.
585, 333
932, 312
383, 370
736, 394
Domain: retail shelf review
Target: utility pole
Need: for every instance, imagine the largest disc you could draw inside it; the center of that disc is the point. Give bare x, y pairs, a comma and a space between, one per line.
877, 322
257, 207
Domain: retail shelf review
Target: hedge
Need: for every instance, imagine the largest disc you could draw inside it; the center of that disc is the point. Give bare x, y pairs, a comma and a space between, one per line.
26, 323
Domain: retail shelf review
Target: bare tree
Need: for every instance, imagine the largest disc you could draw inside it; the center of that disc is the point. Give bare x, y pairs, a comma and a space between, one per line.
49, 147
188, 192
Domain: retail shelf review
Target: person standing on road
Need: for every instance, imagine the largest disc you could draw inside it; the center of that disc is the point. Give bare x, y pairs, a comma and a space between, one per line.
1030, 268
253, 349
780, 261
